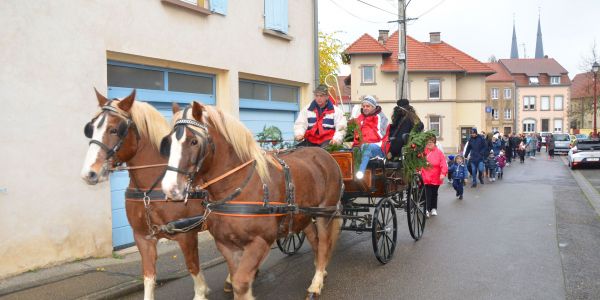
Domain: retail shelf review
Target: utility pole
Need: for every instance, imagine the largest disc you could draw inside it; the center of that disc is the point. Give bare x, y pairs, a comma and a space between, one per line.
402, 72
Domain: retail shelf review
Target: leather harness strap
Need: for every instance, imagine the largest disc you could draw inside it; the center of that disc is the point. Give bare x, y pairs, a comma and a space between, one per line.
158, 195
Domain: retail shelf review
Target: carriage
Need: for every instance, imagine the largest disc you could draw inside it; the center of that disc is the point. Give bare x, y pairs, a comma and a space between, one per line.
370, 204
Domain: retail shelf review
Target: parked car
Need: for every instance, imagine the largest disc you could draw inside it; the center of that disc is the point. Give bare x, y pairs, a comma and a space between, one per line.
579, 136
562, 143
584, 152
544, 134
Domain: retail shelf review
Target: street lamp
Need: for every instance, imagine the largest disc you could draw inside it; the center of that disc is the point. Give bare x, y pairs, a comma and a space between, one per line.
595, 68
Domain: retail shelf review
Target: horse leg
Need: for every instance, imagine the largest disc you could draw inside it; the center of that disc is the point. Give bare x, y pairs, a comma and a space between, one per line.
311, 235
254, 254
188, 242
232, 258
327, 232
147, 248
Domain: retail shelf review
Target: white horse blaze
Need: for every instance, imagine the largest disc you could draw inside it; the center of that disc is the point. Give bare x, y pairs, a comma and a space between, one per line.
170, 179
92, 154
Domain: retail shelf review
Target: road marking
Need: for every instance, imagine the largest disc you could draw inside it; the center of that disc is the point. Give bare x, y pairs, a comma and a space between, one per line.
590, 192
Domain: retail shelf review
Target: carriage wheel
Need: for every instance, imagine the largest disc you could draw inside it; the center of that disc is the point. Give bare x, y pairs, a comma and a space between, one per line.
415, 207
291, 243
384, 229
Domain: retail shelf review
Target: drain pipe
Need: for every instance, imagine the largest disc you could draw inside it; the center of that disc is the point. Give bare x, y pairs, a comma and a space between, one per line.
316, 40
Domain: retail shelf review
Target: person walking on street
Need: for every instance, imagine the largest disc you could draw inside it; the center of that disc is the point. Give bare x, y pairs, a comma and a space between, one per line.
433, 175
459, 173
522, 148
491, 165
476, 152
550, 146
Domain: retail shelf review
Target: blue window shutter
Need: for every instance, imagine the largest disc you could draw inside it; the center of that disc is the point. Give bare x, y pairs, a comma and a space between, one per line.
276, 15
218, 6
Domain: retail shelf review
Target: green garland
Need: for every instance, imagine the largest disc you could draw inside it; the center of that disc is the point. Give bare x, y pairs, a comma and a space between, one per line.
349, 137
414, 156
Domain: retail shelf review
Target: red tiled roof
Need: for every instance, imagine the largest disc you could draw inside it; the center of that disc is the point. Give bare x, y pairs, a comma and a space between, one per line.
500, 75
366, 44
421, 57
533, 66
583, 86
470, 64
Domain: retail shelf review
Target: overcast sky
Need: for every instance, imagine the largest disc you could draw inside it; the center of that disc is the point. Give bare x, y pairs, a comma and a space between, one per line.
480, 28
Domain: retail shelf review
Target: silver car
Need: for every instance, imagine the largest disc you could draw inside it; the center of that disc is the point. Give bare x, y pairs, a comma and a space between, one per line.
562, 143
585, 152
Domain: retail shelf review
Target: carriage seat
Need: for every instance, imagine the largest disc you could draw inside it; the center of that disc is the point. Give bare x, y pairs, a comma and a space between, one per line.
376, 163
393, 164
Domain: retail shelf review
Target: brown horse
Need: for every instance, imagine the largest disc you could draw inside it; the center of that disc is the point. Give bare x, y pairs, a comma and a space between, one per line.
130, 132
210, 146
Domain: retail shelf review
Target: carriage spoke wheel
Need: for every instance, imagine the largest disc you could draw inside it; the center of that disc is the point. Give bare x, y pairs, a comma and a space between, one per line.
415, 207
291, 243
384, 229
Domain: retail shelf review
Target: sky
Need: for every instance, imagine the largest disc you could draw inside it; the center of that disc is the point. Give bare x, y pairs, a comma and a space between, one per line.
481, 28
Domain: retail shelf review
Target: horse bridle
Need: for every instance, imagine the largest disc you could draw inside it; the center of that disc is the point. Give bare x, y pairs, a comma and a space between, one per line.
122, 131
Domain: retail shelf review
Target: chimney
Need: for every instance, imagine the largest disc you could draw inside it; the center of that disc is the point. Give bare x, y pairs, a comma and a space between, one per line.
434, 37
383, 36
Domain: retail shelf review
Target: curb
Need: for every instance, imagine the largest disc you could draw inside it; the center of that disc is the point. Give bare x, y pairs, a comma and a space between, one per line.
589, 191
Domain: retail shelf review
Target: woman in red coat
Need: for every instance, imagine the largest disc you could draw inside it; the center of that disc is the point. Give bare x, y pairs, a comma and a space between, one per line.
433, 175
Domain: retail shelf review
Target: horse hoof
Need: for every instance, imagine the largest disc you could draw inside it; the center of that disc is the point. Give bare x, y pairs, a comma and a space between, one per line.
312, 296
228, 288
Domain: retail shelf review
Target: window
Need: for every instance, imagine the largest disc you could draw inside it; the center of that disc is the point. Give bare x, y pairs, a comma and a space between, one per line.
495, 129
435, 125
494, 93
507, 93
558, 125
545, 103
276, 15
554, 79
264, 91
529, 125
495, 114
434, 88
507, 114
533, 80
558, 102
545, 125
529, 103
368, 74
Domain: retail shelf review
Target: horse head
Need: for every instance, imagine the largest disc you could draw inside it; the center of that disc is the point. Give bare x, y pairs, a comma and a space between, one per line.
111, 141
188, 146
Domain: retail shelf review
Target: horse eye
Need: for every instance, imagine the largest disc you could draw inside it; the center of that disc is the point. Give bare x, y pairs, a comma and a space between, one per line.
113, 131
194, 142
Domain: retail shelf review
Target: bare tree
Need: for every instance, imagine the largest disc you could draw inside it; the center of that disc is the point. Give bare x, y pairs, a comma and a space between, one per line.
492, 59
578, 108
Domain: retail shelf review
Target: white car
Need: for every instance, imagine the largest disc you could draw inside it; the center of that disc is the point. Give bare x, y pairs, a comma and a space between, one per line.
584, 152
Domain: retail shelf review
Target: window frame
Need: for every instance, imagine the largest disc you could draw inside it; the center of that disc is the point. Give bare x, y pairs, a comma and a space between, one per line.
530, 106
509, 114
534, 80
429, 82
562, 125
526, 123
542, 103
509, 90
553, 81
495, 114
494, 93
362, 74
269, 103
439, 124
277, 24
562, 102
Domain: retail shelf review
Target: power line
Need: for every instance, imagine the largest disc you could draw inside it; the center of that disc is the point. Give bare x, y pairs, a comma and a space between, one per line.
432, 8
376, 7
350, 13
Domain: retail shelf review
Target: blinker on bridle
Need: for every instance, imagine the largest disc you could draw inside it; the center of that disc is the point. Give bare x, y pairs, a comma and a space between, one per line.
122, 130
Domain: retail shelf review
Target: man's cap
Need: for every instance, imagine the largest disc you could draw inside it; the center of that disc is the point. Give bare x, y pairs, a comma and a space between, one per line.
321, 89
370, 100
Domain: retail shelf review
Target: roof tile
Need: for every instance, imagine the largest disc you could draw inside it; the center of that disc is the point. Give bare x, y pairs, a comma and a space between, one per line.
500, 75
366, 44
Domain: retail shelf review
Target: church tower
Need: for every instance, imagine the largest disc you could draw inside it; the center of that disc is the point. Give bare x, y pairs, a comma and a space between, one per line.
514, 51
539, 46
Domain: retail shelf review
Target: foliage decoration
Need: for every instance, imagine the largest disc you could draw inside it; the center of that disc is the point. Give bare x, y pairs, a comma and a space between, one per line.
271, 138
413, 151
352, 129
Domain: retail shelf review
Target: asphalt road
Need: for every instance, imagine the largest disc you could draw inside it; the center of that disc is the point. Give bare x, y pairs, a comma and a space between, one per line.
532, 235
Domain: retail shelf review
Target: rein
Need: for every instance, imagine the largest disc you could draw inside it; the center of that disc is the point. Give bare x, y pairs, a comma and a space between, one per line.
120, 168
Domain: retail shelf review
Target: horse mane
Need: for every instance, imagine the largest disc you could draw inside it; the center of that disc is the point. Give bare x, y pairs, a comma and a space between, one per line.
149, 122
240, 138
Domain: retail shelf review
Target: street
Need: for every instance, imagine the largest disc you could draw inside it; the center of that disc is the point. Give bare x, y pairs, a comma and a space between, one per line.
532, 235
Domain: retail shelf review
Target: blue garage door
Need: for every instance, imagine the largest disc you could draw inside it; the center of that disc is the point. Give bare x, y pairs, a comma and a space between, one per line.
265, 104
159, 87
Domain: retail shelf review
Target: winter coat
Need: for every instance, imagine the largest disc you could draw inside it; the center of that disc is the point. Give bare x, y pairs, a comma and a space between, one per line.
496, 146
490, 162
501, 160
372, 126
477, 147
437, 166
459, 172
318, 126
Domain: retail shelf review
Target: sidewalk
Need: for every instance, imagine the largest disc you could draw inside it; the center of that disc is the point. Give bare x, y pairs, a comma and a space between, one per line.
105, 278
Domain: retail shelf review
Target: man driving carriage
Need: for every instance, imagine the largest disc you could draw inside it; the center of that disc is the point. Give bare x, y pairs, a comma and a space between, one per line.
321, 122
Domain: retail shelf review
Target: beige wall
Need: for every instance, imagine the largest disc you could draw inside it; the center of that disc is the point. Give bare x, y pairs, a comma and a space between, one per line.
500, 104
54, 52
539, 114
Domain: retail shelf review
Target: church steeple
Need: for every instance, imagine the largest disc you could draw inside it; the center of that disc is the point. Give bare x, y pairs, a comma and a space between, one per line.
514, 50
539, 46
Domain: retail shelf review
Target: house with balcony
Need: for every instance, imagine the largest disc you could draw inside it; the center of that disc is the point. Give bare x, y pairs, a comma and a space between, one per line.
500, 103
542, 94
234, 55
446, 86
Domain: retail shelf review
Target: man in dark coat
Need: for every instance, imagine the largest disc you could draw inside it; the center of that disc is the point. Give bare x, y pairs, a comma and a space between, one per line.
404, 119
478, 150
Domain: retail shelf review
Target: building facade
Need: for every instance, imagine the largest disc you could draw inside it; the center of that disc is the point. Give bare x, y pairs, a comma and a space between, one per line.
581, 106
542, 94
445, 85
500, 103
231, 54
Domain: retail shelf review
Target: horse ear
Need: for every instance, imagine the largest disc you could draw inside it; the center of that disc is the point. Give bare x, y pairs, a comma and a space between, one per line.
175, 107
126, 103
197, 109
101, 99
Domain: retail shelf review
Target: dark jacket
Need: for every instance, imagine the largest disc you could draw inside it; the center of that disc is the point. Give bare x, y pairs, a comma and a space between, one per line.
459, 172
477, 148
490, 163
